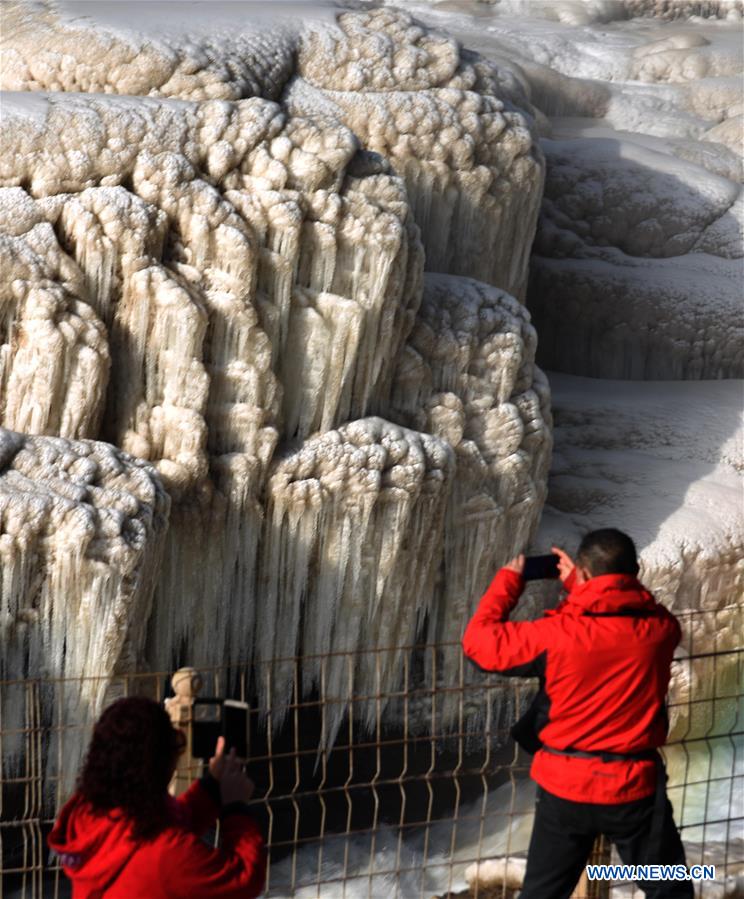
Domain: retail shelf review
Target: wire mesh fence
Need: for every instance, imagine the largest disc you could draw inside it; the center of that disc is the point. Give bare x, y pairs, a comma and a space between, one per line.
384, 791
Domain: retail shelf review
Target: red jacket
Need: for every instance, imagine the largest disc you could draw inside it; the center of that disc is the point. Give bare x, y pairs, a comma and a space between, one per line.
605, 679
174, 865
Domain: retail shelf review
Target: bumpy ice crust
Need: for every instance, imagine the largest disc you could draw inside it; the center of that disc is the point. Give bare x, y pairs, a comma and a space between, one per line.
81, 537
223, 278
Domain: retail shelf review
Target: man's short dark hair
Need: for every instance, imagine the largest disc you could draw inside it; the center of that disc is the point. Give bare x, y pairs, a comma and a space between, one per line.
608, 551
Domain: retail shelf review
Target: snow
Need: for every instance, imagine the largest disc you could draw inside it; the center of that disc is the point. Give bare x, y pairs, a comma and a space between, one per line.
157, 19
663, 460
20, 103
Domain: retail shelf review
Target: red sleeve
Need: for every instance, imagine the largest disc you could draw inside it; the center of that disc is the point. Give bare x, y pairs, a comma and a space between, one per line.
494, 642
676, 628
237, 870
199, 808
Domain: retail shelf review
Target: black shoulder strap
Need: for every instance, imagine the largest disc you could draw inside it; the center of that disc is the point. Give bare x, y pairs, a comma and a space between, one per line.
623, 613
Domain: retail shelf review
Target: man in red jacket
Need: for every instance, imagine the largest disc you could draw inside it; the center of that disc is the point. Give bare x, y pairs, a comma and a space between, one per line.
603, 657
123, 837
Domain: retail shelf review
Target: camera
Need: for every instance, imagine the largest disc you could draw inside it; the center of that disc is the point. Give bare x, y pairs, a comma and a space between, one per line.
213, 718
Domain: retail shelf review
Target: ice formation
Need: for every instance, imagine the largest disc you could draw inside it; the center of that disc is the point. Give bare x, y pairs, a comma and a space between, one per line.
643, 215
586, 12
241, 248
83, 525
630, 233
216, 263
450, 125
638, 261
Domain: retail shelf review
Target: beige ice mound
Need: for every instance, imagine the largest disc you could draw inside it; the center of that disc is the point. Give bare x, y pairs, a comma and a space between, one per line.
81, 538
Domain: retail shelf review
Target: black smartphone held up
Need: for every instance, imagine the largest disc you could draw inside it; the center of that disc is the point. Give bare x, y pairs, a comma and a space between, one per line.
215, 718
235, 727
207, 727
539, 568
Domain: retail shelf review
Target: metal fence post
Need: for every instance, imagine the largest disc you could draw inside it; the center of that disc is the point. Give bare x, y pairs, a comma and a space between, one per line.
186, 683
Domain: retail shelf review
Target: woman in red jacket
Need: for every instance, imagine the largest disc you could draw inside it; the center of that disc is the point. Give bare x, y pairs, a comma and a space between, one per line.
121, 836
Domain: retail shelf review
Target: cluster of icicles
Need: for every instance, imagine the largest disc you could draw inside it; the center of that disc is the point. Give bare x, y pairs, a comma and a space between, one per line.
313, 444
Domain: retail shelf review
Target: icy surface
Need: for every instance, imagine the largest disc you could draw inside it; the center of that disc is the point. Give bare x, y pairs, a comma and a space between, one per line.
664, 461
637, 268
215, 245
82, 536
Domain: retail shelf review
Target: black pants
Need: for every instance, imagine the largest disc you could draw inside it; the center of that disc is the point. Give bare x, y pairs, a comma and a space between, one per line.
563, 835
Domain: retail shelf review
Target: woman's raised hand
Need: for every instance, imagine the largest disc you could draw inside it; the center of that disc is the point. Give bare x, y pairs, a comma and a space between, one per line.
219, 760
235, 786
227, 770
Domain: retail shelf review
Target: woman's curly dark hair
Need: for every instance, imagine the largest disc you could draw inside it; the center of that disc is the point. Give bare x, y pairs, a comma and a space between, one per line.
130, 762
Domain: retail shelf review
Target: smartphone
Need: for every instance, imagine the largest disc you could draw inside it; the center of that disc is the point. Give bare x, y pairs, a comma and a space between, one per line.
214, 718
207, 727
235, 727
538, 568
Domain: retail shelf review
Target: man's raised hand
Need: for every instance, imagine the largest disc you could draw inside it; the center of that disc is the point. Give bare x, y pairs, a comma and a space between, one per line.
565, 563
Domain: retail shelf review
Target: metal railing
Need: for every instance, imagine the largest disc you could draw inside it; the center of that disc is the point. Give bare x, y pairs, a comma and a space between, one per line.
363, 794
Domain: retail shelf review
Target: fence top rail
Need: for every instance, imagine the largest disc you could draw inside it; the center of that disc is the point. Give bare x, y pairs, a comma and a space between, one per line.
240, 666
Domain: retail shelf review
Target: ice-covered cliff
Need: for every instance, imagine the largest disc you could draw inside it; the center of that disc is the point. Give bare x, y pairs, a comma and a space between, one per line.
637, 266
638, 263
215, 238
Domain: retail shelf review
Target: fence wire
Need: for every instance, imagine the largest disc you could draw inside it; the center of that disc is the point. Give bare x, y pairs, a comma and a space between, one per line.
417, 784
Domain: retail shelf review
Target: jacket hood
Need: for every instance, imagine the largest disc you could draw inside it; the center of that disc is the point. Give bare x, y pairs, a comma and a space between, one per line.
605, 593
609, 593
92, 846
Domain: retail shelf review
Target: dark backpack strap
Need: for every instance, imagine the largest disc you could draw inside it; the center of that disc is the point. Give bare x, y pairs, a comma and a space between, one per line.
525, 731
623, 613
